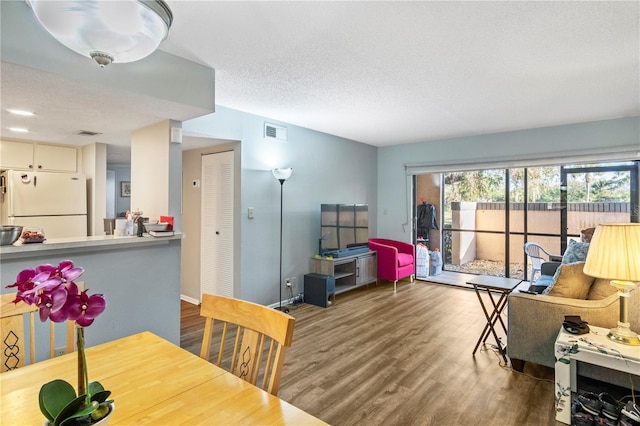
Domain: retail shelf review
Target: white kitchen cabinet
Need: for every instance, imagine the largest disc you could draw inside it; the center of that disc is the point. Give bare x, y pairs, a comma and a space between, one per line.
16, 155
37, 157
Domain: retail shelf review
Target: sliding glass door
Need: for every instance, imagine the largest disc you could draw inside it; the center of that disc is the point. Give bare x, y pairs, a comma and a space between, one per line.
475, 221
488, 215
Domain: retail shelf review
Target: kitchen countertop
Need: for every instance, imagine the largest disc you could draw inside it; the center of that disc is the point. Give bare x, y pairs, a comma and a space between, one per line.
93, 243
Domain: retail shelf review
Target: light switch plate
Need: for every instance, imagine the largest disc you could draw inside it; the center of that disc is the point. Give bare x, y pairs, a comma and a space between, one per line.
250, 213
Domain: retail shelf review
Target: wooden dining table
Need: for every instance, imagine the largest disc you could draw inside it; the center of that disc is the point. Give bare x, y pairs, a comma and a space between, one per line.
152, 381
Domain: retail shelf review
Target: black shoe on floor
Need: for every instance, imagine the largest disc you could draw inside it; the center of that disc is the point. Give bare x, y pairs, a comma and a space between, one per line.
610, 406
590, 403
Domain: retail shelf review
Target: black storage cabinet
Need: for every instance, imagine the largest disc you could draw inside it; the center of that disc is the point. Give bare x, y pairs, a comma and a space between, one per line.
319, 289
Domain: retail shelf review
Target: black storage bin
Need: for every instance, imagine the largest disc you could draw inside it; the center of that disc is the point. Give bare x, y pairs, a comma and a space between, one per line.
318, 289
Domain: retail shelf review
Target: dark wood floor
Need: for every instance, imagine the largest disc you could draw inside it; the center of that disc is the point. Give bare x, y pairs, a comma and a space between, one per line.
379, 358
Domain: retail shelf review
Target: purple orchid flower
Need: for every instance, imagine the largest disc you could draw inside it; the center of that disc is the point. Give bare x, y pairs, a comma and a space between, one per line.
24, 282
53, 290
44, 282
31, 281
51, 304
84, 308
67, 271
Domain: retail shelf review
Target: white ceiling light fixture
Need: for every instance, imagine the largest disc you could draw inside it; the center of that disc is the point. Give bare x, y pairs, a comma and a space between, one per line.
21, 112
106, 31
19, 129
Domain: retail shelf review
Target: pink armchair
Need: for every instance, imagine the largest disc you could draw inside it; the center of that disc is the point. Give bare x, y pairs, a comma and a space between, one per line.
396, 260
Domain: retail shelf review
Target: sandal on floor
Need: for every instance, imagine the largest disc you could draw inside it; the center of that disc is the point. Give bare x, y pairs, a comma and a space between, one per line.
632, 411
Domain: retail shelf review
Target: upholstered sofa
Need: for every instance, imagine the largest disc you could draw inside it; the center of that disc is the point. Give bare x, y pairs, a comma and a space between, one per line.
535, 319
396, 260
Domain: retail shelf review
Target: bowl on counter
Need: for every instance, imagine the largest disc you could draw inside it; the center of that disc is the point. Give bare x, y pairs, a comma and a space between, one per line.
159, 226
9, 234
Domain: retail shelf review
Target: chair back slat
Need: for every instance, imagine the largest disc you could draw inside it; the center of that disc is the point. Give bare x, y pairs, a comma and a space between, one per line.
260, 333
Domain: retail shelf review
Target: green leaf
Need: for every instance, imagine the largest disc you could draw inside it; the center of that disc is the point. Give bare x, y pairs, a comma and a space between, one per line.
101, 396
94, 388
73, 411
54, 396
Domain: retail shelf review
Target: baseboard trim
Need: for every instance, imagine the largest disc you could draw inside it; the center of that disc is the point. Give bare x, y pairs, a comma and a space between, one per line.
189, 299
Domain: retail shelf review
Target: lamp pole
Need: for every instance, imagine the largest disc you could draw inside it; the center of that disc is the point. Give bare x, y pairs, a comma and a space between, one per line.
282, 175
280, 281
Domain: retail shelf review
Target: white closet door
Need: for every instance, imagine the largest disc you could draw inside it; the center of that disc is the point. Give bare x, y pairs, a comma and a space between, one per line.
216, 251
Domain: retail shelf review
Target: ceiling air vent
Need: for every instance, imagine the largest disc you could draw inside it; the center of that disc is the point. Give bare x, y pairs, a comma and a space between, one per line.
275, 132
87, 133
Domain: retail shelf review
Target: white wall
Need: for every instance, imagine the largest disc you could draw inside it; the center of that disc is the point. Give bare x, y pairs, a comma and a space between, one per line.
94, 166
150, 169
326, 169
603, 137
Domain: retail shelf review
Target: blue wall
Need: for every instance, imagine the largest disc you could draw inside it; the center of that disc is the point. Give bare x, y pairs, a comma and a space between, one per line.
604, 137
141, 284
329, 169
326, 169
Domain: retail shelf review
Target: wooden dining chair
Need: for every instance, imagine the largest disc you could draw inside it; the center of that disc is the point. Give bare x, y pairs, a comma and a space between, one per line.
259, 330
13, 333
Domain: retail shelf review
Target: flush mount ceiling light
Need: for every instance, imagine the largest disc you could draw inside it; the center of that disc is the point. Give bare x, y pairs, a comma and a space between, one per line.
106, 31
21, 112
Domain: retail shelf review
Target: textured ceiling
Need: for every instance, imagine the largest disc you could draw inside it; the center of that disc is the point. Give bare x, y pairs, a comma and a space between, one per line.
399, 72
381, 73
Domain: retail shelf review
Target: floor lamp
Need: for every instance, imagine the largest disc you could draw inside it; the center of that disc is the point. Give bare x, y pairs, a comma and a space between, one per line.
282, 175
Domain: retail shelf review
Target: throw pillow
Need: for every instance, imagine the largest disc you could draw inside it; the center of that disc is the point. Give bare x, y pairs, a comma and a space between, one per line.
601, 289
576, 252
570, 281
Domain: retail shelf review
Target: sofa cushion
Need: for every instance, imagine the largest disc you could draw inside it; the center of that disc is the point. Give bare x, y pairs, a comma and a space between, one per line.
601, 289
405, 259
576, 252
570, 281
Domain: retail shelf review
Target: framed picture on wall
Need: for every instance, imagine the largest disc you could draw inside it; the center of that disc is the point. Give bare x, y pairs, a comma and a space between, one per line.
125, 189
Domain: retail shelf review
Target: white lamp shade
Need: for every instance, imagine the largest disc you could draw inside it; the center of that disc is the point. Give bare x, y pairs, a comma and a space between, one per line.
282, 174
123, 31
614, 252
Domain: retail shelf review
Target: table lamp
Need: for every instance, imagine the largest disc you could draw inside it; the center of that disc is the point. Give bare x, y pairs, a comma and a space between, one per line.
614, 253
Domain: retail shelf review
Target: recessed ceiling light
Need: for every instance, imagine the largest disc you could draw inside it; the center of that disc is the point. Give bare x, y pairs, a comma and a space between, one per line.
18, 129
20, 112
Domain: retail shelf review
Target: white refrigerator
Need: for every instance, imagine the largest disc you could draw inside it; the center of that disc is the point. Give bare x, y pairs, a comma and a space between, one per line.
53, 202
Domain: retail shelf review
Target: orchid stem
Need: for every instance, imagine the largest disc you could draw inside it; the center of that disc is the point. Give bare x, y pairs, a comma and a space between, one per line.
83, 376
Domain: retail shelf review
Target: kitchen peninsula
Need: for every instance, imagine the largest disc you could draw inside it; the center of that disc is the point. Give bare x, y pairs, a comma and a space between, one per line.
139, 277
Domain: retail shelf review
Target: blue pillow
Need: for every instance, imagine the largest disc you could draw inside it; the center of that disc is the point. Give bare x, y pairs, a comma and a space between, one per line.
576, 252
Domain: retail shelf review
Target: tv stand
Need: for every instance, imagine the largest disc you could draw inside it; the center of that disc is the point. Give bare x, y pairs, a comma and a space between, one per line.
349, 271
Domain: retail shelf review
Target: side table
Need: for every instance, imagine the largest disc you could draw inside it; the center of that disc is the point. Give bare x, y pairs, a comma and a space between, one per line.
593, 348
493, 286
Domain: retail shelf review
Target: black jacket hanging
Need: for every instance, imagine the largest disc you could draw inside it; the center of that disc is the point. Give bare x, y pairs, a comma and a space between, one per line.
426, 219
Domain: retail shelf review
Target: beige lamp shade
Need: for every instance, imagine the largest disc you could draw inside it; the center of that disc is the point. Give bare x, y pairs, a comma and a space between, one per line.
614, 252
